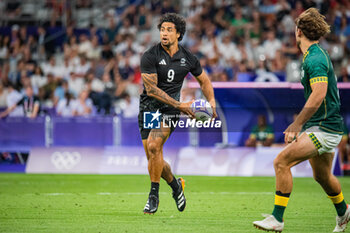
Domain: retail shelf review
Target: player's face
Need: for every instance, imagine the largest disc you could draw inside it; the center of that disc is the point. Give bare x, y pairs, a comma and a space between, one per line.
297, 36
168, 34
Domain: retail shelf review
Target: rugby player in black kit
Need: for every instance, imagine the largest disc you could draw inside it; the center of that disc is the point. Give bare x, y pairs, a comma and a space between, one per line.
163, 69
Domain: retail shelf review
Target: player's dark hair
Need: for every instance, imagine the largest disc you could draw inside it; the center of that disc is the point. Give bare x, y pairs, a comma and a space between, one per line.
177, 20
312, 24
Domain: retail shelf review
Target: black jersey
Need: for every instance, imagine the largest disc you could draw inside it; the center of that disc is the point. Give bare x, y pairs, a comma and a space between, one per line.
171, 72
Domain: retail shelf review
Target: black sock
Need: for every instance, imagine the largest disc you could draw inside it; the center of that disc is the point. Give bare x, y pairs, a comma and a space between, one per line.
154, 189
173, 184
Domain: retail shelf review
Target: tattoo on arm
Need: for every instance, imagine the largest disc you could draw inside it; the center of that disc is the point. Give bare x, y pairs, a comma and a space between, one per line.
150, 81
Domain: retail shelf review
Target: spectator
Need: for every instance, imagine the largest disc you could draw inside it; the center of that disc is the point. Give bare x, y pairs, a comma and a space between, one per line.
69, 34
130, 14
47, 91
3, 95
61, 89
52, 68
30, 105
228, 51
66, 106
168, 7
23, 37
4, 71
129, 106
239, 22
38, 79
76, 84
127, 28
4, 47
107, 52
221, 19
83, 105
84, 44
96, 84
143, 18
344, 75
261, 134
14, 34
15, 75
111, 31
271, 45
82, 68
42, 36
109, 86
95, 51
13, 98
66, 69
230, 39
100, 98
13, 8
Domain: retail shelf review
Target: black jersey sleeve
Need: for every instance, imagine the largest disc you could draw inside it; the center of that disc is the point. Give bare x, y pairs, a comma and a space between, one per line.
148, 64
196, 68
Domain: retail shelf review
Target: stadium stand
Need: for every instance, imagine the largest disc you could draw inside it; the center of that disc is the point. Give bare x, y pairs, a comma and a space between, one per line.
66, 48
79, 43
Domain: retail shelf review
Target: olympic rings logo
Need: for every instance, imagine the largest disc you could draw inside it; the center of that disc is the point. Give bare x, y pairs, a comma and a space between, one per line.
65, 160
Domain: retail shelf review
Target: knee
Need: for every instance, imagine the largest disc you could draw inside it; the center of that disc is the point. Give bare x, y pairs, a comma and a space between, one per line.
153, 149
166, 166
280, 164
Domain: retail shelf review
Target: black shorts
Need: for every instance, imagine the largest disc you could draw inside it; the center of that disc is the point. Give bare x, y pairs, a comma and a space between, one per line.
172, 116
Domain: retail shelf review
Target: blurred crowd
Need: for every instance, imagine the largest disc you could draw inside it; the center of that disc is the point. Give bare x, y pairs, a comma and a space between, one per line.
96, 70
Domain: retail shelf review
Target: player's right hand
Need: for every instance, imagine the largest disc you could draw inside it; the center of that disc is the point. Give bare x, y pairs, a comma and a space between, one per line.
292, 132
185, 107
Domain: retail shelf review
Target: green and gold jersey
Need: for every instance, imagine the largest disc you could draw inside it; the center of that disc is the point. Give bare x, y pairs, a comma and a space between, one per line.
317, 67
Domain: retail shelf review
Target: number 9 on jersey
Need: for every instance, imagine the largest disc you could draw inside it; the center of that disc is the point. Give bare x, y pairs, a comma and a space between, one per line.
171, 75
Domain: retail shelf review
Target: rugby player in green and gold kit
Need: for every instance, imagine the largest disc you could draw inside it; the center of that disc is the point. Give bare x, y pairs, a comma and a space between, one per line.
316, 131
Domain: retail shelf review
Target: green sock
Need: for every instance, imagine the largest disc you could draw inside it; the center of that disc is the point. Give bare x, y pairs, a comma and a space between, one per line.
341, 208
339, 203
278, 212
281, 202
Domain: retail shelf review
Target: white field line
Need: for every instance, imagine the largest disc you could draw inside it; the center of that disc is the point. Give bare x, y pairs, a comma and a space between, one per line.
146, 193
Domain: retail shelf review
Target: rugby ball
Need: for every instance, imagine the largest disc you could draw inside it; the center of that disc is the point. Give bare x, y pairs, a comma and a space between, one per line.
202, 110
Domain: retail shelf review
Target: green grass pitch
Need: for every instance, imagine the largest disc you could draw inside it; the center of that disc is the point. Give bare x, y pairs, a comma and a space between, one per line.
114, 203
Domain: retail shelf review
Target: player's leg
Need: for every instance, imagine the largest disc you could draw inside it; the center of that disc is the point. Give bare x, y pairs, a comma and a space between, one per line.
294, 153
177, 185
291, 155
154, 147
322, 170
167, 175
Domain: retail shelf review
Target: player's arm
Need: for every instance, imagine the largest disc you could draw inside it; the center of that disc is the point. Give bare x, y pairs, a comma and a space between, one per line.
319, 91
150, 82
207, 90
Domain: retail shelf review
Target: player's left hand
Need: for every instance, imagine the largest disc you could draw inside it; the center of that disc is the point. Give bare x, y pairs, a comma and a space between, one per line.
213, 106
185, 107
292, 132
